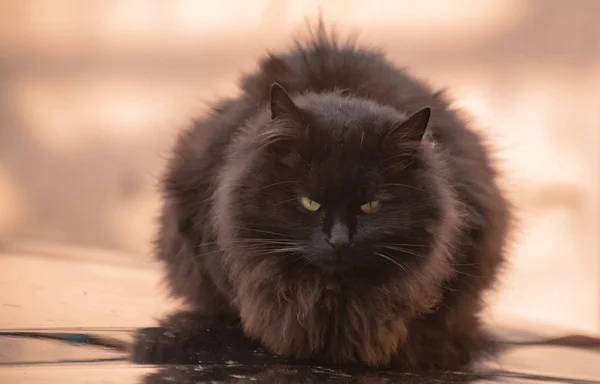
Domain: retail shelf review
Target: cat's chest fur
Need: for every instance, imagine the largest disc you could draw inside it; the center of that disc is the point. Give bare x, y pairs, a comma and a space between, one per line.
314, 316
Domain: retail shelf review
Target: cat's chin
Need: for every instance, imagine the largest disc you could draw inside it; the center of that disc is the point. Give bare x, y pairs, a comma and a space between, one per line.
333, 266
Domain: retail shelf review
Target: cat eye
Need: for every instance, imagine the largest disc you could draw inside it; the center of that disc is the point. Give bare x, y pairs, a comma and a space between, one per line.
309, 204
371, 206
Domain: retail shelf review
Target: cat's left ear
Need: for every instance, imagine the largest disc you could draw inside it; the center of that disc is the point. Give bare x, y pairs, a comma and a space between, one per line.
282, 104
414, 128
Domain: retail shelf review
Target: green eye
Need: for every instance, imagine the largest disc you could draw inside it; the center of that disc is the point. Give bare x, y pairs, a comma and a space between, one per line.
371, 206
309, 204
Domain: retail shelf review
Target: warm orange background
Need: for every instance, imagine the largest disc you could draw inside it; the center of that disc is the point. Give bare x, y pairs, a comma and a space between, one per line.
92, 94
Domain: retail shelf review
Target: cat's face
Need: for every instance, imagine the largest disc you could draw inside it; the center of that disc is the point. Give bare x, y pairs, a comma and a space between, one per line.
338, 184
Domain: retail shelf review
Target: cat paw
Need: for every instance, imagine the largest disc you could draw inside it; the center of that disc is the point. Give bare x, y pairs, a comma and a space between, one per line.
437, 353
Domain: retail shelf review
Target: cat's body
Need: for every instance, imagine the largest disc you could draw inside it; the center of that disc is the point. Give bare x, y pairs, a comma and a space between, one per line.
331, 225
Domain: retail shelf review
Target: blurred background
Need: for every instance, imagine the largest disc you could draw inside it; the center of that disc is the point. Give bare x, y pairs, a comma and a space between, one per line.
93, 93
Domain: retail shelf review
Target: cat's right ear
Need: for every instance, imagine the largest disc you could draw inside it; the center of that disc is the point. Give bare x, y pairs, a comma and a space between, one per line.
282, 104
283, 139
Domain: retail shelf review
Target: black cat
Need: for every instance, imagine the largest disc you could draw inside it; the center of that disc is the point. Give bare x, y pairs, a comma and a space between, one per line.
340, 209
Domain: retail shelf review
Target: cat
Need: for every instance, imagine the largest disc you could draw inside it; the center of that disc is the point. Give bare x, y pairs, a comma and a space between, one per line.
340, 209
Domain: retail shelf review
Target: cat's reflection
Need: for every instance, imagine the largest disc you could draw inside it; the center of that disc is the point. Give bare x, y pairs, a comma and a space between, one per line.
215, 350
184, 338
294, 374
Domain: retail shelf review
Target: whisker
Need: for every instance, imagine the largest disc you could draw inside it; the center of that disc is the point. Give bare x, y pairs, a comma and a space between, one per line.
433, 282
251, 241
383, 256
254, 244
406, 245
259, 231
274, 184
285, 201
202, 254
305, 262
403, 250
284, 250
260, 248
408, 268
402, 186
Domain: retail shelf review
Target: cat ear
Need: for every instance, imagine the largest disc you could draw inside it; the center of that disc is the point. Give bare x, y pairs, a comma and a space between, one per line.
287, 136
282, 105
415, 127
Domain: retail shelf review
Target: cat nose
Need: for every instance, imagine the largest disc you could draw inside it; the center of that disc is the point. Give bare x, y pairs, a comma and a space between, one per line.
339, 243
339, 236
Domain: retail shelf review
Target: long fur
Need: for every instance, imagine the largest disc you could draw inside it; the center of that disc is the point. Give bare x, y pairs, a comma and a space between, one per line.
427, 318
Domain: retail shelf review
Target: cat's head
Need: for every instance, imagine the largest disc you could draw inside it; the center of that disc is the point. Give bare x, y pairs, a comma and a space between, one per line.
337, 183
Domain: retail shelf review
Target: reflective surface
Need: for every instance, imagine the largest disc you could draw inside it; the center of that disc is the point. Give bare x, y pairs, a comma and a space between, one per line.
113, 300
222, 355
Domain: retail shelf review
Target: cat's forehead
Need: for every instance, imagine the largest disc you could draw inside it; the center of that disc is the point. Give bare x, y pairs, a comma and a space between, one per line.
347, 144
342, 138
344, 168
337, 111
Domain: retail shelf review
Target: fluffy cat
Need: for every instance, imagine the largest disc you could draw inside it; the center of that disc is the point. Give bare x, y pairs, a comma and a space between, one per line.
340, 209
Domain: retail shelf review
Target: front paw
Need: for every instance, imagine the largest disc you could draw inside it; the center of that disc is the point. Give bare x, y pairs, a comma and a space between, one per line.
437, 351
